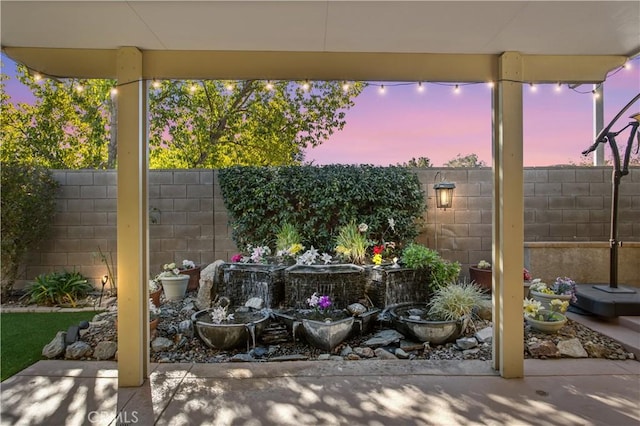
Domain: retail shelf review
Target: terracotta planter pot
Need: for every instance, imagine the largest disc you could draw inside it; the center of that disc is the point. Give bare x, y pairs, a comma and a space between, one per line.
155, 297
194, 278
482, 277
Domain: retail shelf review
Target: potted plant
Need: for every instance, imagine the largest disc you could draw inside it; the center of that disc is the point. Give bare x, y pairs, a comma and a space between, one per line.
173, 282
564, 289
546, 320
481, 275
155, 290
444, 318
193, 271
154, 318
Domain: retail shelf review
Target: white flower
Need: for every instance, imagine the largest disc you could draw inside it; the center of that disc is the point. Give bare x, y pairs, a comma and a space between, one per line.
363, 227
188, 264
392, 224
326, 258
313, 300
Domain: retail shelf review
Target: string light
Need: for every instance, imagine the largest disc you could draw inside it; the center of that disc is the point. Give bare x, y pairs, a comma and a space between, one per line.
420, 87
306, 86
627, 65
229, 87
345, 87
559, 87
456, 89
79, 88
595, 93
269, 86
382, 89
155, 84
533, 87
193, 88
491, 84
37, 76
114, 91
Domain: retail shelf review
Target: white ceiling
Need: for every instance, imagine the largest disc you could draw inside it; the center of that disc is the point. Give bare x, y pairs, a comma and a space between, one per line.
530, 27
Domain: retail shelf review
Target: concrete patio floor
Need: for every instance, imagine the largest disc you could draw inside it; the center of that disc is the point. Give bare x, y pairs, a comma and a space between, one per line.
554, 392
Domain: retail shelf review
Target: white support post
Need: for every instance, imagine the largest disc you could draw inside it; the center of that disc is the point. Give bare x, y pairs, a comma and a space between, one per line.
508, 218
132, 217
598, 123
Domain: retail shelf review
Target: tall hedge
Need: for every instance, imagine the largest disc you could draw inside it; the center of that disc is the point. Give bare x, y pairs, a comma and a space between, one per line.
28, 203
317, 200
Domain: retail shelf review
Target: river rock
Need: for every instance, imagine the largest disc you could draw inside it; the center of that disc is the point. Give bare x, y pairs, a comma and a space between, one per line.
384, 338
105, 350
242, 358
160, 344
484, 309
596, 350
186, 328
346, 351
465, 343
324, 357
77, 350
356, 309
543, 349
401, 354
294, 357
384, 354
408, 345
485, 335
55, 348
364, 352
255, 303
572, 349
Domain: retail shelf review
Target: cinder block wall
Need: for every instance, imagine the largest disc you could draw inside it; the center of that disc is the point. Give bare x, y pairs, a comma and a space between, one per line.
188, 219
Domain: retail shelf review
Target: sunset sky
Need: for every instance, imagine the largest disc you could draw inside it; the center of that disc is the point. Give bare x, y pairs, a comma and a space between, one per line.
437, 123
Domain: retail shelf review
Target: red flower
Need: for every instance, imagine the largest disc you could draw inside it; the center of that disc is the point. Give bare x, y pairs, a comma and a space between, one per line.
378, 249
527, 275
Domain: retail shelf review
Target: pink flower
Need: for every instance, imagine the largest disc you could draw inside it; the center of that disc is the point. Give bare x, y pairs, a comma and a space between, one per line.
527, 275
236, 257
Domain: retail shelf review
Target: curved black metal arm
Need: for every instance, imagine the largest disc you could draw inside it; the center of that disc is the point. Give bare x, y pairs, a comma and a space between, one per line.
602, 136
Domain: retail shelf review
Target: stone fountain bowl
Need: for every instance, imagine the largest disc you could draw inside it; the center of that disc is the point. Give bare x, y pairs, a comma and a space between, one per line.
322, 333
245, 328
411, 318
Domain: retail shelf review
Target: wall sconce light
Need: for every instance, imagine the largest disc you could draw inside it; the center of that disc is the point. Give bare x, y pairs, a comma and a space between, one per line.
444, 194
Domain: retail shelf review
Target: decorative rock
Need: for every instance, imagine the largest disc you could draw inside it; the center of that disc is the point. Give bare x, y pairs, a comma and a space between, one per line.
339, 358
572, 348
188, 307
346, 351
324, 357
353, 357
254, 303
258, 352
543, 349
356, 309
596, 350
408, 345
465, 343
401, 354
364, 352
56, 347
485, 335
383, 338
384, 354
469, 352
208, 277
77, 350
242, 358
105, 350
161, 344
186, 327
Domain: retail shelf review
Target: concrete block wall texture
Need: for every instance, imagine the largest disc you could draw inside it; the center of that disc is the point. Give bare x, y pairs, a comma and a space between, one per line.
188, 219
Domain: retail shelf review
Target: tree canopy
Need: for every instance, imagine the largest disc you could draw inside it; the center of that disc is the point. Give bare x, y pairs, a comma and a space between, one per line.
470, 160
192, 124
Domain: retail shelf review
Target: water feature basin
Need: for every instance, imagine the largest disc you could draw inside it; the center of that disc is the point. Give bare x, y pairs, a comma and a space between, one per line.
412, 319
246, 326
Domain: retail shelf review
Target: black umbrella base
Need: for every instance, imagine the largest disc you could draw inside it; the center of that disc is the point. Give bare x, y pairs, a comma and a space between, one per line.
604, 301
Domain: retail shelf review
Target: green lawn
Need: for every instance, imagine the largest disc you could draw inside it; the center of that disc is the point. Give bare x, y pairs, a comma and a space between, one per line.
23, 335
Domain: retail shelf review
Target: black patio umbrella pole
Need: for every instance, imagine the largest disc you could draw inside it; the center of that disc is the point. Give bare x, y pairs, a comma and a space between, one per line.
620, 168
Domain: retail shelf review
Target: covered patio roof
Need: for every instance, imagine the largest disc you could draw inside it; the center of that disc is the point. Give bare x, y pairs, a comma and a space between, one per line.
508, 42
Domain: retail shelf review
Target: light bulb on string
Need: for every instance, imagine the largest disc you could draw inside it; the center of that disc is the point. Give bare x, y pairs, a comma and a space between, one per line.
193, 88
229, 87
79, 88
595, 94
269, 86
345, 87
456, 89
306, 86
114, 91
382, 89
559, 87
533, 87
155, 84
37, 76
420, 87
491, 84
627, 65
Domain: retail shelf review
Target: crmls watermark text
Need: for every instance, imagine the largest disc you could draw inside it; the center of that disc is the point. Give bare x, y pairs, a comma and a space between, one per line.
106, 417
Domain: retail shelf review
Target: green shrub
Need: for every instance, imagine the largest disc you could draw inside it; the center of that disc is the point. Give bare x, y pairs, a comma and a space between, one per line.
318, 200
58, 288
28, 207
441, 271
